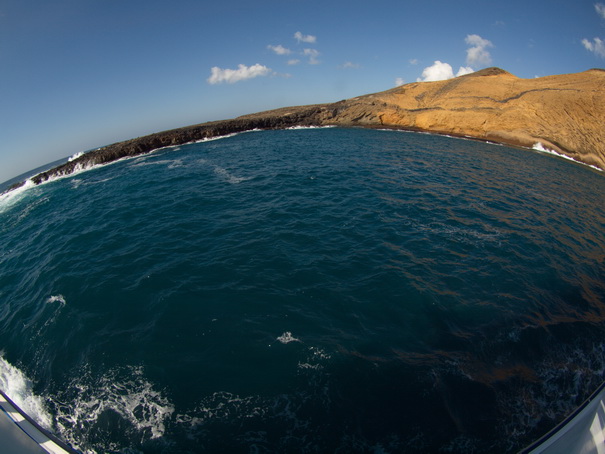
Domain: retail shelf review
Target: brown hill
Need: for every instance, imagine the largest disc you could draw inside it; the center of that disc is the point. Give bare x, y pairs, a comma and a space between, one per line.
565, 113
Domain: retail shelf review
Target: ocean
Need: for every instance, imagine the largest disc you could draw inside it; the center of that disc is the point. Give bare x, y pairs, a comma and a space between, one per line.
311, 290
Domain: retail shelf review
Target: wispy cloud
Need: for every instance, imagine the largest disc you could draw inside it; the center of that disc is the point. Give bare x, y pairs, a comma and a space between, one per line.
477, 54
349, 65
298, 36
243, 72
399, 82
279, 49
442, 71
413, 61
294, 61
597, 46
312, 54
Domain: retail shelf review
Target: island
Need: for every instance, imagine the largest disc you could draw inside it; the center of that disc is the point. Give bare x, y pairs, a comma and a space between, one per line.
563, 113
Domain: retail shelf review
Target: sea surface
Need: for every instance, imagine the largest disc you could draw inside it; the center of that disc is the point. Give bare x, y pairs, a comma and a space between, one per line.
310, 290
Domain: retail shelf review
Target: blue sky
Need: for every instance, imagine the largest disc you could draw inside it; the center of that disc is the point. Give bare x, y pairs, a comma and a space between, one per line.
79, 74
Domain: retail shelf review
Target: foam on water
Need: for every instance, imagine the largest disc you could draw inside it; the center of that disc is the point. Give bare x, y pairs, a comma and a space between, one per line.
287, 337
541, 148
169, 163
298, 128
56, 299
122, 394
212, 139
228, 176
19, 388
11, 198
75, 156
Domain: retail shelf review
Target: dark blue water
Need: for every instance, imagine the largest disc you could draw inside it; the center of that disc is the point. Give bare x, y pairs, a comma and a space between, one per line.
322, 290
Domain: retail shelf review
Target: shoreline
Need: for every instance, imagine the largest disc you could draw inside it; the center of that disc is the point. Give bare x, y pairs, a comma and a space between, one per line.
208, 131
490, 105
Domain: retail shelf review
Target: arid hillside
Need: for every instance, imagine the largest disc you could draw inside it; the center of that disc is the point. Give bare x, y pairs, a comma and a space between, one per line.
565, 113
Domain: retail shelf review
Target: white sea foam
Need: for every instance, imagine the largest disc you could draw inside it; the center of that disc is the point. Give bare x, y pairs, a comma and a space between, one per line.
287, 337
315, 360
224, 173
223, 405
78, 169
541, 148
170, 163
210, 139
310, 127
11, 198
56, 299
124, 392
75, 156
225, 136
19, 388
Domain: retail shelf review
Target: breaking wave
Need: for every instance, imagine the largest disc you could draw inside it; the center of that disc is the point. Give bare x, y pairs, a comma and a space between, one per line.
19, 388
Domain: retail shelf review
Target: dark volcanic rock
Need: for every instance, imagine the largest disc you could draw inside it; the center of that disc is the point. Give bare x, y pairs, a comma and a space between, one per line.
306, 116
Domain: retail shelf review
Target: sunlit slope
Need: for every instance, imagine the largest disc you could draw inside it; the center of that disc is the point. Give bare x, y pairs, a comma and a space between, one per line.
563, 112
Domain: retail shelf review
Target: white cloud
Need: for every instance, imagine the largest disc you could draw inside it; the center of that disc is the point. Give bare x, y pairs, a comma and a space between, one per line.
399, 82
349, 65
477, 53
279, 49
442, 71
413, 61
597, 46
600, 8
294, 61
437, 71
242, 72
312, 54
464, 70
298, 36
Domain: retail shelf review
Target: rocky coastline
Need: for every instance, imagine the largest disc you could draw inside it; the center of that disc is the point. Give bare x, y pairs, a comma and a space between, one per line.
564, 113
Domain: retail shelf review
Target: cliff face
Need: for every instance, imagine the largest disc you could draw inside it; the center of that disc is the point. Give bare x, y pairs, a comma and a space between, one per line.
565, 113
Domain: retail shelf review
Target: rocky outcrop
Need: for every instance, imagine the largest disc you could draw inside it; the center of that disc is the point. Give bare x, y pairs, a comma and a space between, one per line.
142, 145
565, 113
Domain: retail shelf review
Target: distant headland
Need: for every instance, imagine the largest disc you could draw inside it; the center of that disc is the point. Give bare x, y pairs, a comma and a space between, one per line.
564, 113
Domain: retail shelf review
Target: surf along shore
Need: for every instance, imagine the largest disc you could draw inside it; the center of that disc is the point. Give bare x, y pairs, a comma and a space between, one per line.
562, 113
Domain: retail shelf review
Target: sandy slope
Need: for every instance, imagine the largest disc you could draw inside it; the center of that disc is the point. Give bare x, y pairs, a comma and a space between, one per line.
565, 112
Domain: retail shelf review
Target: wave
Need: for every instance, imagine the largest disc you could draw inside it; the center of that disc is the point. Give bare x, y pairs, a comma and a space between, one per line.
225, 136
19, 388
14, 196
75, 156
310, 127
541, 148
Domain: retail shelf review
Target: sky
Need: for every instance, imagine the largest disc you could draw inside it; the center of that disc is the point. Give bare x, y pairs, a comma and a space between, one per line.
79, 74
